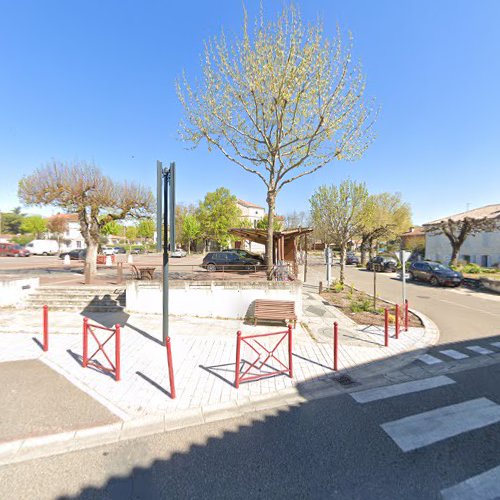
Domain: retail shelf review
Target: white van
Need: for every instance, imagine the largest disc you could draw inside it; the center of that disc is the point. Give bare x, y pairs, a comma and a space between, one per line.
43, 247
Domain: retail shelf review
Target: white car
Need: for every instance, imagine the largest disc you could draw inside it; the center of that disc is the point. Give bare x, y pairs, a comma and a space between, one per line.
108, 251
178, 252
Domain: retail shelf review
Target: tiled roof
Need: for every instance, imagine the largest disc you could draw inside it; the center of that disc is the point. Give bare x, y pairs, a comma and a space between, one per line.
489, 211
416, 231
248, 204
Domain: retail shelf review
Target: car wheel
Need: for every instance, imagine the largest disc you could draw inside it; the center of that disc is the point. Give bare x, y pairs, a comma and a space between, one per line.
433, 281
211, 268
45, 254
411, 277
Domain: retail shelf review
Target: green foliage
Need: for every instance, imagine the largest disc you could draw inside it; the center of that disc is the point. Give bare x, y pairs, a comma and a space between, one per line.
361, 305
131, 233
337, 288
191, 229
113, 228
218, 213
146, 228
264, 223
22, 239
35, 225
12, 221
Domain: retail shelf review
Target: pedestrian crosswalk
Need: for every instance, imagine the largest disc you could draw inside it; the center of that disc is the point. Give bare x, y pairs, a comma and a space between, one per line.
414, 431
440, 356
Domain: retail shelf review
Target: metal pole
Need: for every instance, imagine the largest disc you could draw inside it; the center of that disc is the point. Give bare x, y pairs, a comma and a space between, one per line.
117, 353
305, 258
166, 174
238, 358
45, 328
159, 180
172, 206
374, 288
85, 343
335, 345
290, 354
406, 315
170, 369
396, 325
386, 327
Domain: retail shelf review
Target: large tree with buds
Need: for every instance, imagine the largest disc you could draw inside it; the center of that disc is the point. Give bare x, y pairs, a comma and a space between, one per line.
84, 190
280, 102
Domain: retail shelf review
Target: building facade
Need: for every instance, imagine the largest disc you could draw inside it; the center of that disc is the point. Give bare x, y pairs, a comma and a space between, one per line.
252, 212
482, 248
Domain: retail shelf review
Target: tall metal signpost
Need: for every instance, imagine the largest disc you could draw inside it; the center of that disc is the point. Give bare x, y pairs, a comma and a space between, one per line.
165, 179
404, 255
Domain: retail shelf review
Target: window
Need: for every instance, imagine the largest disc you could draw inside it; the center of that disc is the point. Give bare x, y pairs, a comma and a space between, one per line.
484, 261
78, 244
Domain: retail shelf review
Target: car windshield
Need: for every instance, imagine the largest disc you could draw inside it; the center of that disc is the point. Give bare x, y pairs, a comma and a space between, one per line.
17, 247
439, 267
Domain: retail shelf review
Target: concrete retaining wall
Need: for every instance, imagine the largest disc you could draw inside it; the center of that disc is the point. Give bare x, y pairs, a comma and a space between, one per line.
491, 285
14, 290
215, 299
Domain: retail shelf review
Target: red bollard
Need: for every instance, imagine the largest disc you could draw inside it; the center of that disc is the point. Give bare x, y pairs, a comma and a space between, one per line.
406, 315
290, 360
335, 346
170, 368
238, 359
117, 352
45, 328
85, 343
396, 321
386, 327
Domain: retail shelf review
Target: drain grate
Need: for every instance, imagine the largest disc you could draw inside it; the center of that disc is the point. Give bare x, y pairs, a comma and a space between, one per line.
345, 380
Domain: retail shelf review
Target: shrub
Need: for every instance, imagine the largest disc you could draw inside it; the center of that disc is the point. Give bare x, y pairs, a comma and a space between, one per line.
362, 305
472, 269
337, 288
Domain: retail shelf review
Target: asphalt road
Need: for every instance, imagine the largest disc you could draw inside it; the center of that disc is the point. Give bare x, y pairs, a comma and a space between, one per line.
459, 313
413, 445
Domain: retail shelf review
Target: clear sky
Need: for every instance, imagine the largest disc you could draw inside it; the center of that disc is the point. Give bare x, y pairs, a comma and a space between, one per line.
94, 80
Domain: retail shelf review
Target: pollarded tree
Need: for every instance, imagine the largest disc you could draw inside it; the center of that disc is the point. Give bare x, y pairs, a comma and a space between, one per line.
281, 102
337, 212
458, 228
57, 226
84, 190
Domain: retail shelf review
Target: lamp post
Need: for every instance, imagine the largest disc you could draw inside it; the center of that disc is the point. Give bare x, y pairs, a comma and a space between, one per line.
166, 180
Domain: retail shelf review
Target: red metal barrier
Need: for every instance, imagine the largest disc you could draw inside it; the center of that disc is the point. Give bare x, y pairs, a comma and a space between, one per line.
87, 360
45, 328
170, 368
406, 315
335, 345
270, 353
386, 327
396, 321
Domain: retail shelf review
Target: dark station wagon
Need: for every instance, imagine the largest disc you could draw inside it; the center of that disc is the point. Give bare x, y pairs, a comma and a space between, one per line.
228, 261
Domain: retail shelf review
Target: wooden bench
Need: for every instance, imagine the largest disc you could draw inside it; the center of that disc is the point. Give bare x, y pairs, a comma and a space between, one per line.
275, 310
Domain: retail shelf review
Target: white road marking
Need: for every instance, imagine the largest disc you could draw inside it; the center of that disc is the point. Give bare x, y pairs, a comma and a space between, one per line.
428, 359
399, 389
496, 344
485, 486
479, 349
454, 354
423, 429
468, 307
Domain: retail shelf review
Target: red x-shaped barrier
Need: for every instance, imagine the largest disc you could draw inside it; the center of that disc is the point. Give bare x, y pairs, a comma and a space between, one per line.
87, 360
270, 353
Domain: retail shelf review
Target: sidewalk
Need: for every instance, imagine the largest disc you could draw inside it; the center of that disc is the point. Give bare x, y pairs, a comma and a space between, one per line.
204, 361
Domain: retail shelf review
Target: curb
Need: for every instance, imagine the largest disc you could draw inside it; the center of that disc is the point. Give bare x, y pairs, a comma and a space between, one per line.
55, 444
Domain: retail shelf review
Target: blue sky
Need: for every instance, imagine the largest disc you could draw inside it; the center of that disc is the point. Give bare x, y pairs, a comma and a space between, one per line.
94, 80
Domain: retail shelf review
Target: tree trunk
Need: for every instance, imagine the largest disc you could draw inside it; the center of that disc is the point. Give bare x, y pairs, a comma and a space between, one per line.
455, 250
271, 201
91, 258
189, 247
363, 252
342, 262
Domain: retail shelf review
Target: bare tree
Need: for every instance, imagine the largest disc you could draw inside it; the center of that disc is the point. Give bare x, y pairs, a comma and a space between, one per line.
281, 103
457, 230
57, 226
337, 212
83, 189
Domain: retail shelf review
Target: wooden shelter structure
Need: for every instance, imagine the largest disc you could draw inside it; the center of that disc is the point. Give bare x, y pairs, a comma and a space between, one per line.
284, 242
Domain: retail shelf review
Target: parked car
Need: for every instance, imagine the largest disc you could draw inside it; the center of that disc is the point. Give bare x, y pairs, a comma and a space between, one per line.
13, 250
434, 273
178, 252
228, 261
351, 259
119, 250
245, 254
137, 250
382, 263
43, 247
108, 251
77, 254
